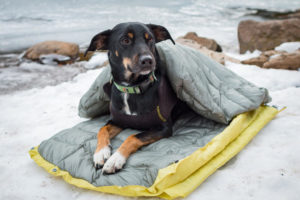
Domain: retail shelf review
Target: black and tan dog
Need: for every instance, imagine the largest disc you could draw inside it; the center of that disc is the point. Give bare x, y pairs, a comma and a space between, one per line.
140, 94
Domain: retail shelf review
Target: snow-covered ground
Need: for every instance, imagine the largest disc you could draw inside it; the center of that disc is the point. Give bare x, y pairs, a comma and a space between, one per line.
268, 168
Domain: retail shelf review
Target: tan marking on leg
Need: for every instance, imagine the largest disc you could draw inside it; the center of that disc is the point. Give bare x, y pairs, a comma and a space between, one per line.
105, 134
117, 54
130, 35
146, 36
130, 145
127, 62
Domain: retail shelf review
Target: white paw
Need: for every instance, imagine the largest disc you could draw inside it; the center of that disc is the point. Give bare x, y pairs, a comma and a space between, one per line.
101, 156
114, 163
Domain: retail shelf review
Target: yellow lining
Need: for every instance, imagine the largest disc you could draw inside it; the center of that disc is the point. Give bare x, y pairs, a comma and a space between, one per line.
180, 179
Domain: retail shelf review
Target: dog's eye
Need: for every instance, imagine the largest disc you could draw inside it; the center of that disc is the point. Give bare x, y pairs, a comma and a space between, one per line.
125, 41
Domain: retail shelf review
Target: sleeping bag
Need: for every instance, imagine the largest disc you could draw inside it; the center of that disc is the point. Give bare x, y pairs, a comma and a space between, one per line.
227, 112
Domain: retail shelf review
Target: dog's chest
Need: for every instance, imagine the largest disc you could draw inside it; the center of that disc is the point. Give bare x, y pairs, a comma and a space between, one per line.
143, 111
131, 104
126, 109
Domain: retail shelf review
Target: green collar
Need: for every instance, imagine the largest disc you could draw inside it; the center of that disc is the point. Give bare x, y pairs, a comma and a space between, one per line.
137, 89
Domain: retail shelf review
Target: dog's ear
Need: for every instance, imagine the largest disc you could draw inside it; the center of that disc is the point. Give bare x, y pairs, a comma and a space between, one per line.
160, 33
99, 42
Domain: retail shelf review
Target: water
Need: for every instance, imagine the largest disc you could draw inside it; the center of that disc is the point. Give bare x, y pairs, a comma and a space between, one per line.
23, 23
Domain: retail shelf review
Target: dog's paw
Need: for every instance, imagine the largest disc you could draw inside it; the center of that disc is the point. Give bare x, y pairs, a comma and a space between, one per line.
114, 163
101, 156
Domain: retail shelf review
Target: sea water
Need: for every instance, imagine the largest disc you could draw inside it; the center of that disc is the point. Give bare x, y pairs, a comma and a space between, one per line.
26, 22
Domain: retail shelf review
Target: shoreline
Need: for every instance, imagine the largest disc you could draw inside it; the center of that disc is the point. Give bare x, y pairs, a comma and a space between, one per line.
17, 51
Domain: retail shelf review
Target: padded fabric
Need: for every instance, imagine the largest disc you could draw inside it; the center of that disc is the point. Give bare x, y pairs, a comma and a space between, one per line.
73, 150
181, 178
162, 168
206, 86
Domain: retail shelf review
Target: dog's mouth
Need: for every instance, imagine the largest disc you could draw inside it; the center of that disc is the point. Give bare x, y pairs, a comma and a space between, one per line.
145, 72
142, 71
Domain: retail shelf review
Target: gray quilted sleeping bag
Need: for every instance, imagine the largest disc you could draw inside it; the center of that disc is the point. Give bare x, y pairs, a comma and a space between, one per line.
211, 90
206, 86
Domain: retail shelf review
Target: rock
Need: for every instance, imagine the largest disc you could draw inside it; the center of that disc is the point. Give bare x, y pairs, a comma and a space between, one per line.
268, 34
52, 47
268, 14
87, 57
217, 56
289, 61
271, 53
295, 14
260, 60
208, 43
276, 59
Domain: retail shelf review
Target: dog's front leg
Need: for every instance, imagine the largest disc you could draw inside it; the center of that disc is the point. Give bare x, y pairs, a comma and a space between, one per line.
103, 149
132, 144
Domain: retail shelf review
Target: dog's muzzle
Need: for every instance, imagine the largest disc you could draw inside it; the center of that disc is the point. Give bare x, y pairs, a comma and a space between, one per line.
146, 63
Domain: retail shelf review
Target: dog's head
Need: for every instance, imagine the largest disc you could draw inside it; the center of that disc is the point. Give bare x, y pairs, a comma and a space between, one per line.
131, 48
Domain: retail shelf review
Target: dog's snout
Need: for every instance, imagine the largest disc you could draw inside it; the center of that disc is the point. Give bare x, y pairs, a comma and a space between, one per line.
146, 61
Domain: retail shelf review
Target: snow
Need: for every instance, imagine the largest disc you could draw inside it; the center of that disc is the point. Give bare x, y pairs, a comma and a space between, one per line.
273, 79
244, 56
96, 60
268, 167
274, 56
288, 47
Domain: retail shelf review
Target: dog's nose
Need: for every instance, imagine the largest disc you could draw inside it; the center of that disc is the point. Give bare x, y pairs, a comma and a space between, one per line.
146, 61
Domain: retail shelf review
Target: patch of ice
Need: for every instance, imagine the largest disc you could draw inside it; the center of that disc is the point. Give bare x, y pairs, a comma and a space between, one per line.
96, 60
53, 59
288, 47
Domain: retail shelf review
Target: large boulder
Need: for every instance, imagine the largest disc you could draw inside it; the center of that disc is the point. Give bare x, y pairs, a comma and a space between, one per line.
217, 56
211, 44
52, 47
268, 34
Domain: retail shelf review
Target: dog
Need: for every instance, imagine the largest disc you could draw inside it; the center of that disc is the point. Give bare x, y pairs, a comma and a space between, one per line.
140, 93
